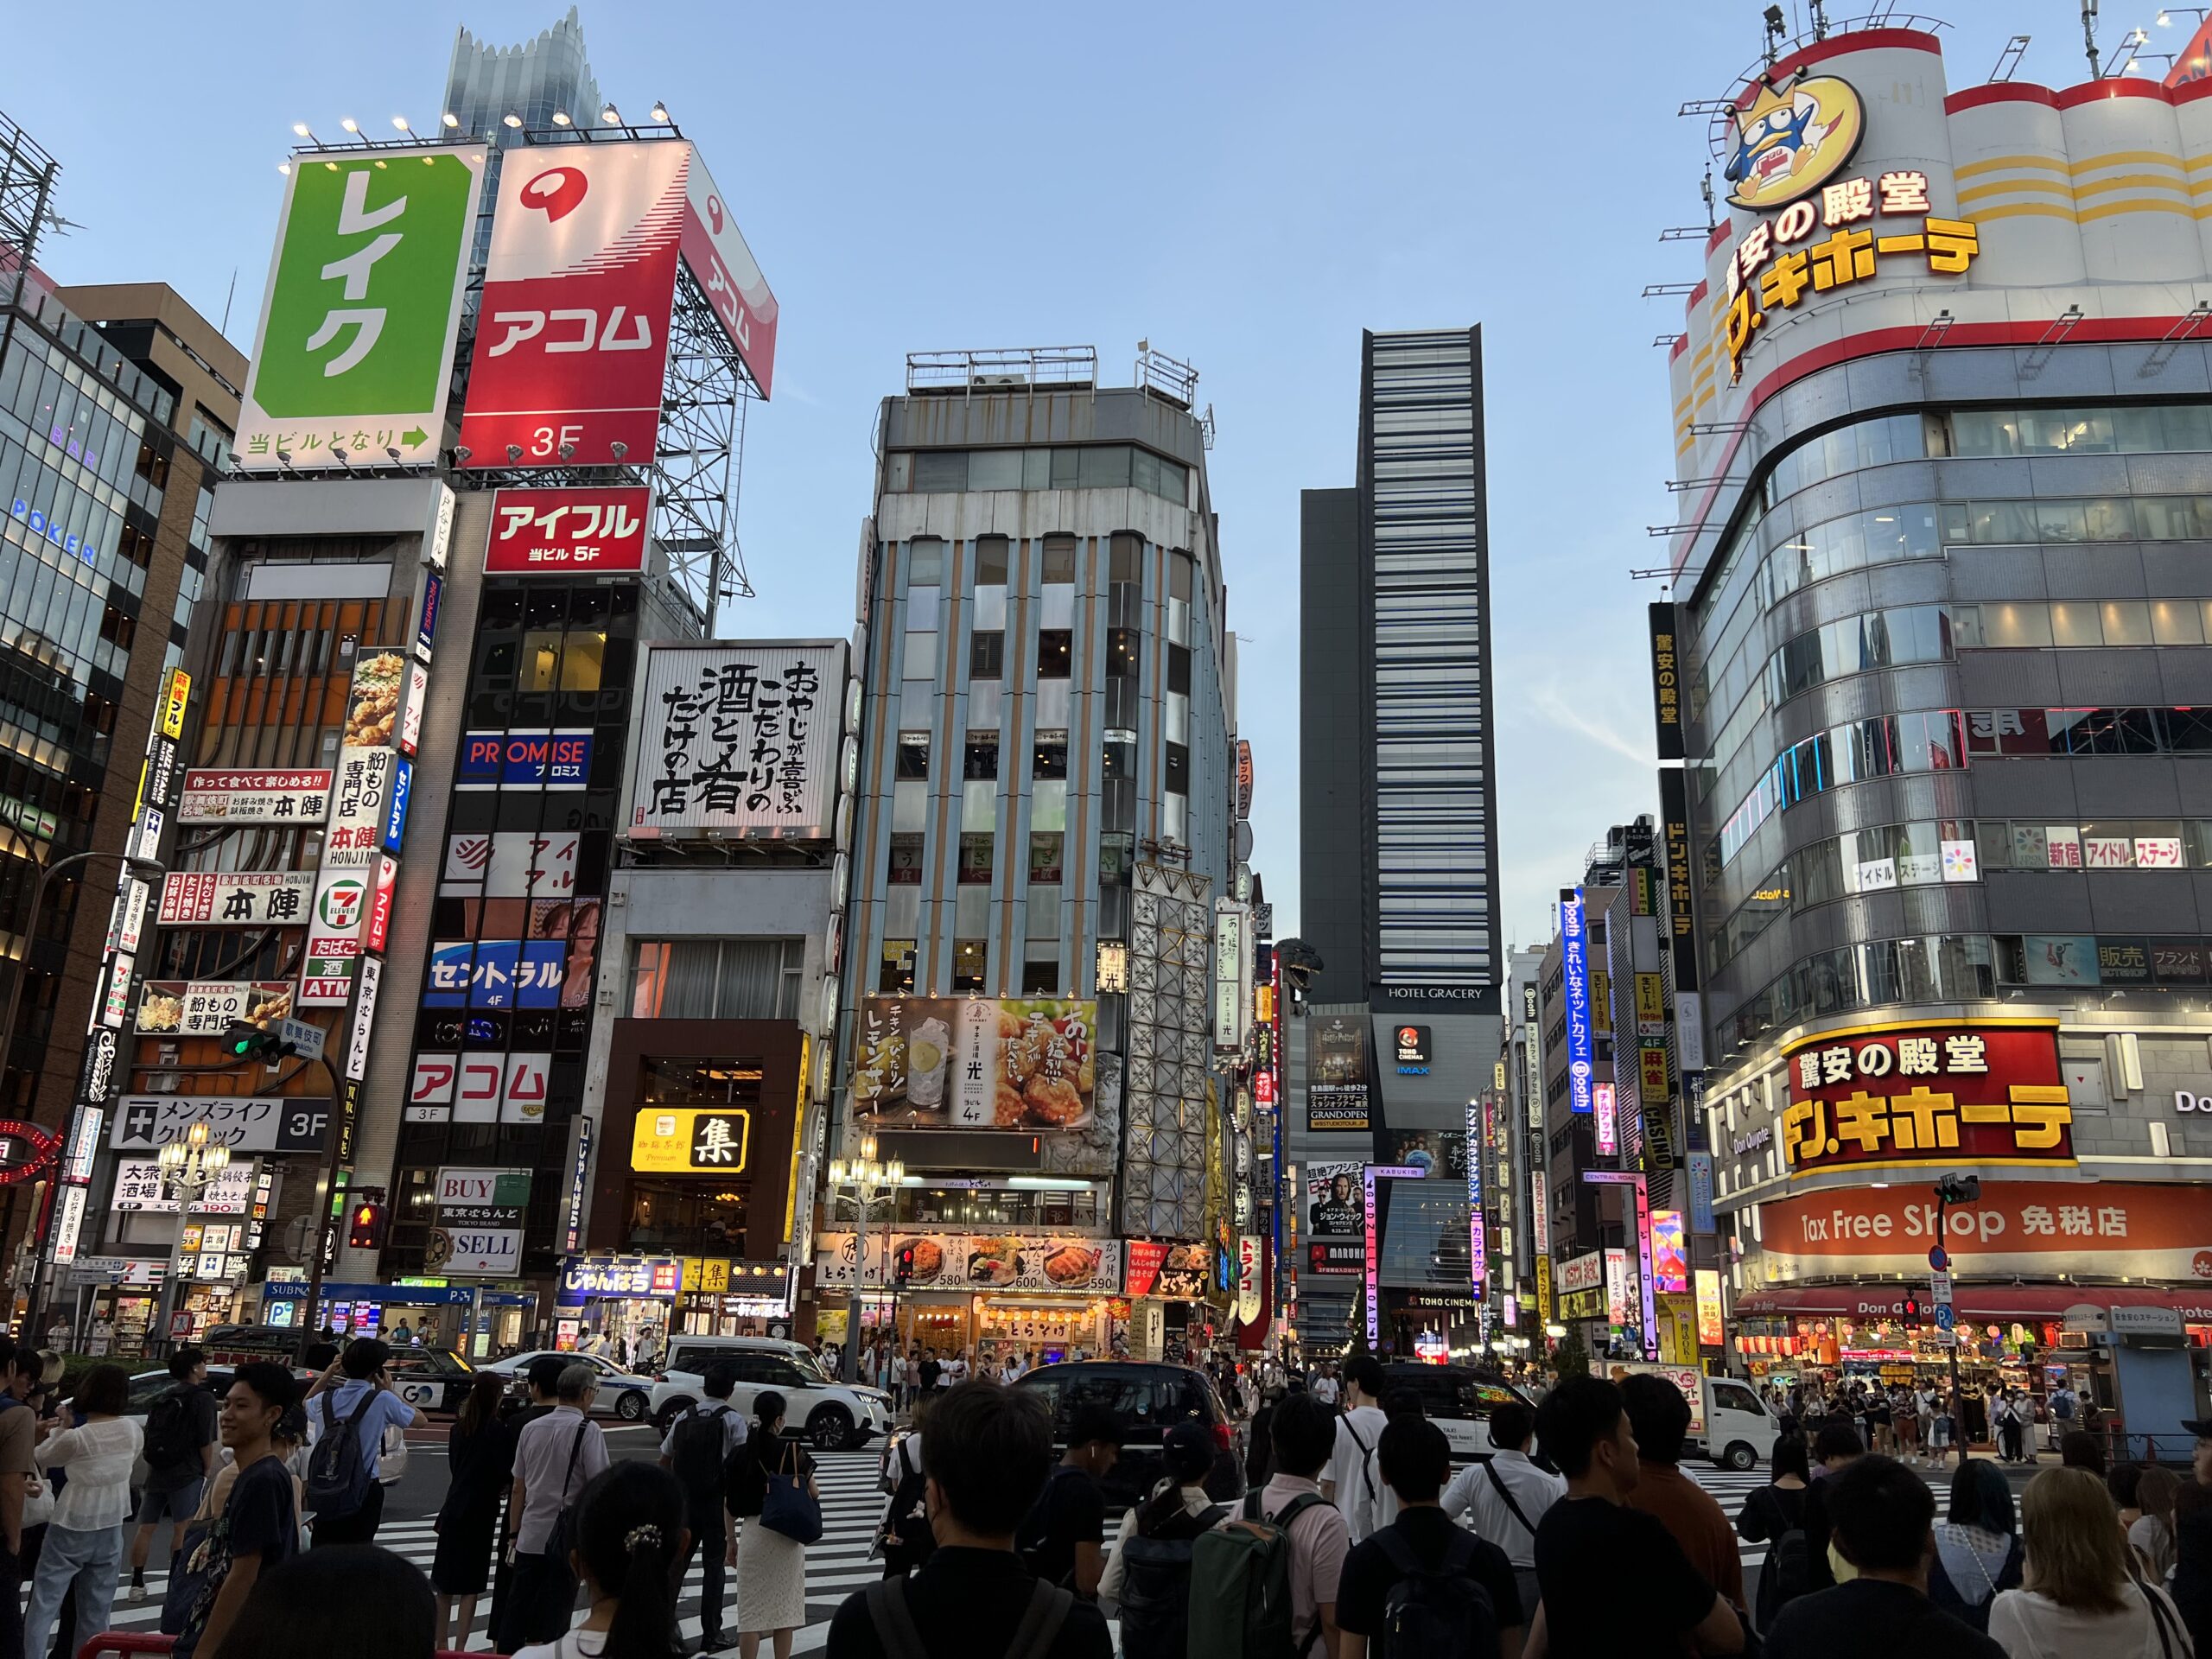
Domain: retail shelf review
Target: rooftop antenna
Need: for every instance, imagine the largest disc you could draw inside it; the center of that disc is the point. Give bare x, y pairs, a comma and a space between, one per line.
1777, 28
2008, 60
225, 328
1819, 19
1704, 189
2089, 35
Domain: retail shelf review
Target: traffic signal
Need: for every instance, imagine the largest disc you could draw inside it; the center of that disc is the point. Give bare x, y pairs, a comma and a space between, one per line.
903, 1267
246, 1042
367, 1230
1911, 1313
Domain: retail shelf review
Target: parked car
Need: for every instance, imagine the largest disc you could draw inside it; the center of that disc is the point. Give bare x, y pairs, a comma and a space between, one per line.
149, 1386
1150, 1397
1457, 1399
430, 1379
1729, 1423
830, 1415
626, 1395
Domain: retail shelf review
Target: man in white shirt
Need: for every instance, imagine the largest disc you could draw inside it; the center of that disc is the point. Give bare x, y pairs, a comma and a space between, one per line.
1349, 1480
555, 1456
1507, 1496
1322, 1386
955, 1370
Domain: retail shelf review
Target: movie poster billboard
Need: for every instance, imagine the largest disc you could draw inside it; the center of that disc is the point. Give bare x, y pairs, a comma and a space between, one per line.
976, 1063
1336, 1075
1335, 1214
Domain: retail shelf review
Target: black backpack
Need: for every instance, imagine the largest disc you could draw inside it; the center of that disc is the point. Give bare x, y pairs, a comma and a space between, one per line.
1790, 1562
1442, 1614
170, 1438
695, 1459
339, 1477
1156, 1584
1035, 1531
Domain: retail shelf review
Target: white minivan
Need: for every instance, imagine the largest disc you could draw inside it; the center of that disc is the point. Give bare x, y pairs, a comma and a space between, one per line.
1729, 1423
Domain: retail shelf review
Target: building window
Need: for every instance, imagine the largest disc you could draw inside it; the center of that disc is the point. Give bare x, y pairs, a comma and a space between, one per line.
1179, 575
1055, 653
914, 755
1051, 759
925, 561
1179, 769
715, 979
975, 860
1041, 978
941, 472
983, 757
905, 862
1045, 854
1125, 554
1178, 669
896, 973
920, 661
1124, 649
986, 655
1060, 558
991, 560
968, 959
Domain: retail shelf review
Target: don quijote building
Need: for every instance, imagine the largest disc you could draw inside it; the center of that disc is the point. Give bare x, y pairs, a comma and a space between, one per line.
441, 579
1943, 604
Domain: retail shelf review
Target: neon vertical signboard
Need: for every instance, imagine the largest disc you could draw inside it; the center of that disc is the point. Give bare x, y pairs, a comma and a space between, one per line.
1608, 1117
1373, 1174
1478, 1243
1575, 976
355, 349
1648, 1300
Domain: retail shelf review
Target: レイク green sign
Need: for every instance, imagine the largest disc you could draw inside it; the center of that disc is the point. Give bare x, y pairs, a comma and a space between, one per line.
355, 347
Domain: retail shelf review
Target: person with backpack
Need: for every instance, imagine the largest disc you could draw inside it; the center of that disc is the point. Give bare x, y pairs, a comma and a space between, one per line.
1978, 1549
349, 1408
1349, 1481
258, 1525
179, 1454
1614, 1581
1064, 1538
1775, 1515
1146, 1583
1506, 1496
905, 1538
1835, 1448
695, 1450
1881, 1511
555, 1456
988, 1451
1265, 1581
1422, 1587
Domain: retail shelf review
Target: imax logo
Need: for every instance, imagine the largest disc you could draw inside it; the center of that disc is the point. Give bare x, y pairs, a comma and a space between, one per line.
73, 545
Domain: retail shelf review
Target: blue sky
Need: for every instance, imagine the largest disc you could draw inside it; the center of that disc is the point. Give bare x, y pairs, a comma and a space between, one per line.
1247, 185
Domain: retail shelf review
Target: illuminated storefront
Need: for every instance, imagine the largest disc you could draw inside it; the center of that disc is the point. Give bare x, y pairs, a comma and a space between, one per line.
1940, 931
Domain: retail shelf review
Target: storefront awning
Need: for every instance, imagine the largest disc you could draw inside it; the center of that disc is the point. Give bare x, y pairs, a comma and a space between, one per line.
1972, 1301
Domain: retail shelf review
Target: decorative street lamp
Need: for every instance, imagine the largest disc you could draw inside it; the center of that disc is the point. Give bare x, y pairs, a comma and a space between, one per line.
868, 1181
188, 1167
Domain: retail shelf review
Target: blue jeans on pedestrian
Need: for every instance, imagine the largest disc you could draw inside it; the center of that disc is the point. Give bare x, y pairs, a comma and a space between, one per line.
87, 1559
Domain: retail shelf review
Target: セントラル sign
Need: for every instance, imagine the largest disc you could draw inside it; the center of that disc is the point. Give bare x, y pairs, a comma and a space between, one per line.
355, 345
1873, 1096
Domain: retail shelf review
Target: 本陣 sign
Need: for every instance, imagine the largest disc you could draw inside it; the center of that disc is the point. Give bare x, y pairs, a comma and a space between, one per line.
220, 796
354, 350
739, 740
1871, 1097
572, 332
236, 899
537, 532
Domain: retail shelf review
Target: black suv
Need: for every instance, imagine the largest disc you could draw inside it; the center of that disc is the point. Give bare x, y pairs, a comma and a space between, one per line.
1150, 1398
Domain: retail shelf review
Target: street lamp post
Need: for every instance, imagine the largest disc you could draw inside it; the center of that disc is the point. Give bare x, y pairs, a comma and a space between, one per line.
1953, 1188
145, 869
870, 1180
188, 1167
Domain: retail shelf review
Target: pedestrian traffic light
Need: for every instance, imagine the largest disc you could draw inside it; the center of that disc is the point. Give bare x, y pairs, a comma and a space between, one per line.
903, 1267
1911, 1313
366, 1232
247, 1042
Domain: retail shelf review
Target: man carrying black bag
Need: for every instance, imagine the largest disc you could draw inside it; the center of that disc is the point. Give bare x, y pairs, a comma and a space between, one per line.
698, 1445
554, 1457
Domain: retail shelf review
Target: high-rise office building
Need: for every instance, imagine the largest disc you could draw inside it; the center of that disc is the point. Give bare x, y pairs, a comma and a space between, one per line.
1042, 849
1398, 817
533, 81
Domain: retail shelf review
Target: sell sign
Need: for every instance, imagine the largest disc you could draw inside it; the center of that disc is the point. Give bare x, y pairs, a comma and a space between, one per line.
557, 532
1988, 1091
494, 1252
355, 345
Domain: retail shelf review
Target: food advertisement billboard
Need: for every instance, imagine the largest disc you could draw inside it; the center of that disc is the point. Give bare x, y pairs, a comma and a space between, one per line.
739, 738
971, 1261
355, 345
208, 1007
572, 332
296, 795
971, 1062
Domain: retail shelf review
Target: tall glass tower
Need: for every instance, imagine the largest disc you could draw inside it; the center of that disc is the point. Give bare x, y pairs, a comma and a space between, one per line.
486, 83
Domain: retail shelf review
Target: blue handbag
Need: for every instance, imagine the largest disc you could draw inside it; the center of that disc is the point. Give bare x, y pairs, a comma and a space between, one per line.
789, 1508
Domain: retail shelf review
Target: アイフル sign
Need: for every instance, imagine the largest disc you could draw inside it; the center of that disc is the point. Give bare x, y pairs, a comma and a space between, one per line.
560, 531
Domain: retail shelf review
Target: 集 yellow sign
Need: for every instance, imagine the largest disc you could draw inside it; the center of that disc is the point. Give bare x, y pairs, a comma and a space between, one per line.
692, 1140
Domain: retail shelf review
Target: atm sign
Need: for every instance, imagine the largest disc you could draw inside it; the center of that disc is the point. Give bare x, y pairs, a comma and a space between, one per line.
539, 759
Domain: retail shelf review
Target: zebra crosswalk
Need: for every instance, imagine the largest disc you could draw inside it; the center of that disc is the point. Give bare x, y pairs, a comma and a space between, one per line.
836, 1567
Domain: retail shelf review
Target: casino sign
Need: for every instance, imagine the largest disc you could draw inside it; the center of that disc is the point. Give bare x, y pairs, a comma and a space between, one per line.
26, 1150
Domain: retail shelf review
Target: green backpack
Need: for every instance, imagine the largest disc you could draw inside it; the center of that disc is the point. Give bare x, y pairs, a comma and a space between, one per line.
1240, 1586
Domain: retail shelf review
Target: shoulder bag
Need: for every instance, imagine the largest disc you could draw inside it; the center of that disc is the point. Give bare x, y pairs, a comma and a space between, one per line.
788, 1507
562, 1538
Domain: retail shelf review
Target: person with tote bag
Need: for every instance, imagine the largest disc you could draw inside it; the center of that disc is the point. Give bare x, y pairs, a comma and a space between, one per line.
771, 1489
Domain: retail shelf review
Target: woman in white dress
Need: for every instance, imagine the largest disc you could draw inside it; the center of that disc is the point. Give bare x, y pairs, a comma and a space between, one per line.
771, 1569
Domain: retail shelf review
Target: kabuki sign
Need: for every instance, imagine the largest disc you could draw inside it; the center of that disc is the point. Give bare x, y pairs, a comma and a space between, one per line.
1882, 1097
539, 532
740, 740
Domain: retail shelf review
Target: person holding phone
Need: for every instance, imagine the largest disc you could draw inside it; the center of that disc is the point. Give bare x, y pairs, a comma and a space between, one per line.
354, 1396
